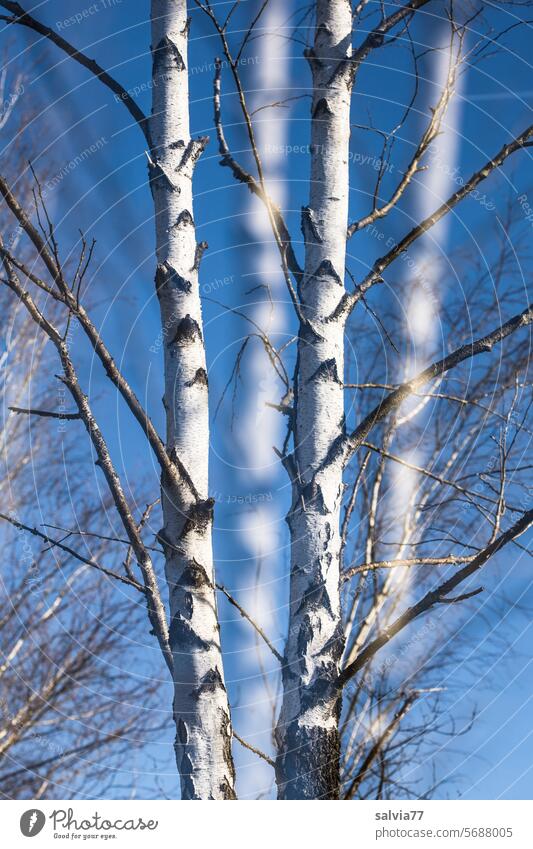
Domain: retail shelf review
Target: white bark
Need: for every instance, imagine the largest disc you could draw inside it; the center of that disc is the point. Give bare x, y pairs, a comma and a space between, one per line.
307, 732
201, 710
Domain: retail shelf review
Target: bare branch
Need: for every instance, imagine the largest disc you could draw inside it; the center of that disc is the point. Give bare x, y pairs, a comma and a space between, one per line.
249, 619
46, 414
253, 749
58, 544
376, 38
437, 596
348, 301
257, 188
156, 610
427, 472
378, 745
346, 445
449, 560
430, 134
173, 467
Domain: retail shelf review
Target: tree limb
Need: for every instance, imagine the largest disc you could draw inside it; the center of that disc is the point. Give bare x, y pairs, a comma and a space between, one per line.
257, 187
173, 467
375, 749
46, 413
253, 749
346, 445
439, 595
58, 544
350, 299
249, 619
156, 610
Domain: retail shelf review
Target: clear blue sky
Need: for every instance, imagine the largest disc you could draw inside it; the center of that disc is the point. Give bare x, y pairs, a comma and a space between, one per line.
107, 196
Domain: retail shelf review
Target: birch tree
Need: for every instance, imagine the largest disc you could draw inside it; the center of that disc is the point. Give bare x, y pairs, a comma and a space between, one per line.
190, 645
309, 718
201, 710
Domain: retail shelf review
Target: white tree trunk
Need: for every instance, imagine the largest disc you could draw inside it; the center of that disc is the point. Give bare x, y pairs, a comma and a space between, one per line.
307, 765
201, 710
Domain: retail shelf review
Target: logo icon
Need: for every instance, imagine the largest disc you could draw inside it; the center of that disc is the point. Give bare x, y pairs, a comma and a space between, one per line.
32, 822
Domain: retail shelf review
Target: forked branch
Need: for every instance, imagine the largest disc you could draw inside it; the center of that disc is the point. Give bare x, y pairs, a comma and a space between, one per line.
350, 299
348, 444
440, 595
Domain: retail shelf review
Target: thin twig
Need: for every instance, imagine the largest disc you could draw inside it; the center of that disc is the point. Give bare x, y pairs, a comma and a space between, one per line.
58, 544
253, 749
46, 413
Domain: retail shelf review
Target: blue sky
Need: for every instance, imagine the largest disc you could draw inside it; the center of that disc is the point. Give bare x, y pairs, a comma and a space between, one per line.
107, 196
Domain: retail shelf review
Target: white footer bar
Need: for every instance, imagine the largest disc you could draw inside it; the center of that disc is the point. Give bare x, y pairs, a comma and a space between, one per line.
276, 825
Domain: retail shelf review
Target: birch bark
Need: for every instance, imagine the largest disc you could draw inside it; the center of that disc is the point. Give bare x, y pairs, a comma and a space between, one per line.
201, 709
307, 765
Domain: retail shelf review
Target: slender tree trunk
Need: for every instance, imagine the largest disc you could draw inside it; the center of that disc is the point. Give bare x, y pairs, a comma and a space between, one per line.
307, 765
201, 710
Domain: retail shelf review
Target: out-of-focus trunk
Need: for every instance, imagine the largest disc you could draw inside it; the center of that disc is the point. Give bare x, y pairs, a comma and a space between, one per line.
201, 709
